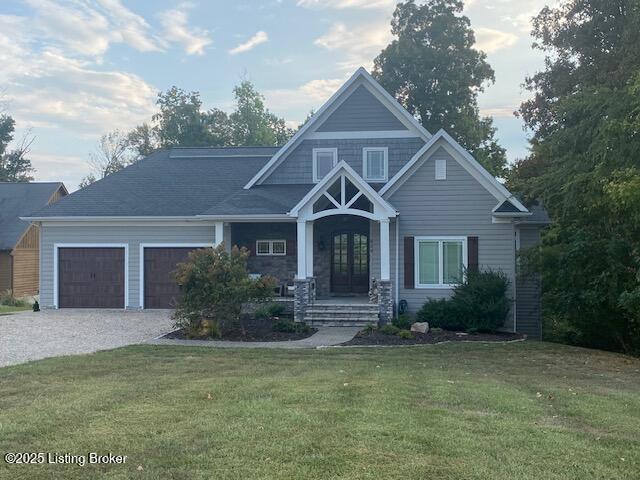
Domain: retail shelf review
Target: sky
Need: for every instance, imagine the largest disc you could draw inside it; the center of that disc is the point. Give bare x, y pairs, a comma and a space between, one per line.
73, 70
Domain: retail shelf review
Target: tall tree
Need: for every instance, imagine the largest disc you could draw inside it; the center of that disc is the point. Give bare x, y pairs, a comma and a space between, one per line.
112, 155
15, 165
435, 72
585, 166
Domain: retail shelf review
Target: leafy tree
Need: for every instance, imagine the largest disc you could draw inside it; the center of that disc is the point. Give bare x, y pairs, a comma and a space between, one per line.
14, 164
215, 285
142, 141
112, 155
435, 72
585, 166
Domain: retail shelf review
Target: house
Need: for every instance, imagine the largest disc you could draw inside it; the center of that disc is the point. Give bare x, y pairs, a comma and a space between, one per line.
20, 240
361, 199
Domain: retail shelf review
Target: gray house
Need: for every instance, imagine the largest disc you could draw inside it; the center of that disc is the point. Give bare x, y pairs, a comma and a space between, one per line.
361, 202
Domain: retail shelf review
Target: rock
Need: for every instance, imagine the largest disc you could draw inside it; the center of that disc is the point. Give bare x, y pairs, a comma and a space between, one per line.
420, 327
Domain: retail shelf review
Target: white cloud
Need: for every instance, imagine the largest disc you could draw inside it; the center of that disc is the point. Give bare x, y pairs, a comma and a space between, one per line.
257, 39
177, 29
310, 95
130, 27
342, 4
360, 45
490, 40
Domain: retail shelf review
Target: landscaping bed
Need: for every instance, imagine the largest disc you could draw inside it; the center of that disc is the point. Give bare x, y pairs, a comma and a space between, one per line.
257, 330
377, 337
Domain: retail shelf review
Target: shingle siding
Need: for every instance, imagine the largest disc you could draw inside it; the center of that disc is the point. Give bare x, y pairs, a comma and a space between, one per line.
361, 111
131, 235
457, 206
296, 168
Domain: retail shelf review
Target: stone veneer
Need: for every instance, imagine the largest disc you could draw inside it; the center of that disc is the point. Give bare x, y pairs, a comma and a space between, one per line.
385, 301
304, 296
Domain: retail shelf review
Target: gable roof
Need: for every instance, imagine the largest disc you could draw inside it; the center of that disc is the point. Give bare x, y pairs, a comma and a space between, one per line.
360, 77
18, 199
442, 138
161, 186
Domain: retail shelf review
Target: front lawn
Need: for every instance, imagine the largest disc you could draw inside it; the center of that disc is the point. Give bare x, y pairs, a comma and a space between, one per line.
453, 411
5, 309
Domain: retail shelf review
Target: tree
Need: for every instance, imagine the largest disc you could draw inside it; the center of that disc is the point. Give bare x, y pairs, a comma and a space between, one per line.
434, 71
14, 164
585, 166
142, 141
112, 155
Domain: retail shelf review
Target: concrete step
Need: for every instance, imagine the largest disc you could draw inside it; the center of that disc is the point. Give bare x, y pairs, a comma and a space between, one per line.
329, 323
341, 312
345, 306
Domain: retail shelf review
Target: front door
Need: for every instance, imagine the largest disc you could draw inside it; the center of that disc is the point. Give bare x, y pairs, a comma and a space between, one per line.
350, 262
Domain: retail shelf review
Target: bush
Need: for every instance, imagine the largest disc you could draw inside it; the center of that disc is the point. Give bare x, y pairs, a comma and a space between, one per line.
269, 310
215, 285
389, 329
7, 298
404, 334
403, 321
287, 326
479, 304
369, 328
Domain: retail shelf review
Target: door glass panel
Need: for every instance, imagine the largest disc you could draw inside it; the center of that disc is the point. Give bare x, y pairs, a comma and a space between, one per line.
360, 254
340, 253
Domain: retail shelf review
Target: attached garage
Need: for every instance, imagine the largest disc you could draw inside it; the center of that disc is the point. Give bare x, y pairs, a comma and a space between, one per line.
159, 285
91, 277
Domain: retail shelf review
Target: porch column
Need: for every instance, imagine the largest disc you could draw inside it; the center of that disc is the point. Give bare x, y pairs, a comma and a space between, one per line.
301, 241
309, 248
218, 233
385, 269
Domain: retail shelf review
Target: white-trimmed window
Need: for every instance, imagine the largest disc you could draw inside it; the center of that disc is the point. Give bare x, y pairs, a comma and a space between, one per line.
271, 247
324, 159
375, 164
440, 262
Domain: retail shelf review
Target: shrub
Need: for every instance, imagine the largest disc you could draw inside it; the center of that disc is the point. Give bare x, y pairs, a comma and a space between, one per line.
369, 328
389, 329
287, 326
479, 304
7, 298
403, 321
269, 310
215, 285
404, 334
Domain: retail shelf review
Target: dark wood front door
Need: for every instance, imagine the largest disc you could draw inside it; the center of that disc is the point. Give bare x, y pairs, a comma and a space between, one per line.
160, 287
91, 278
350, 262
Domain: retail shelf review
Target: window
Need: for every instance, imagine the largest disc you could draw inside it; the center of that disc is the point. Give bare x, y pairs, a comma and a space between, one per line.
441, 169
324, 159
440, 261
375, 164
271, 247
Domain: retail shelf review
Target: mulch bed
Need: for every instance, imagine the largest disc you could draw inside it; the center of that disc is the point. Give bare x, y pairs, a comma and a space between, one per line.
258, 330
378, 338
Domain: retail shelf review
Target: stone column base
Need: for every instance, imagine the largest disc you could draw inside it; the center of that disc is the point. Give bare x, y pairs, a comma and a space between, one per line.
385, 301
303, 296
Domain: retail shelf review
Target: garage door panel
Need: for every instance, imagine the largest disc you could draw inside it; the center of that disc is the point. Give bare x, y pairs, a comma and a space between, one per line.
91, 277
160, 287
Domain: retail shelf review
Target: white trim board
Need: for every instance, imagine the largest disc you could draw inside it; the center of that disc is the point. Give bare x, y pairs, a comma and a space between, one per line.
159, 245
57, 246
360, 77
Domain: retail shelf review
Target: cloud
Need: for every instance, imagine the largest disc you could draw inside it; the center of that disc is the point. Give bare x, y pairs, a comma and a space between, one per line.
176, 29
490, 40
257, 39
305, 97
360, 45
342, 4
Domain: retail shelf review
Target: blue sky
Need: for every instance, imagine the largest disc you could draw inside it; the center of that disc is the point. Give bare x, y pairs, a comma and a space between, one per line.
75, 69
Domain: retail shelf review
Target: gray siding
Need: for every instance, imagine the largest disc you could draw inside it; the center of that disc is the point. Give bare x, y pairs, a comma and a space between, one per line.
457, 206
132, 235
361, 111
528, 291
297, 166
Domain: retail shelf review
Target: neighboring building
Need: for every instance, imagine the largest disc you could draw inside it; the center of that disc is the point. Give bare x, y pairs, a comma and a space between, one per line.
361, 192
19, 240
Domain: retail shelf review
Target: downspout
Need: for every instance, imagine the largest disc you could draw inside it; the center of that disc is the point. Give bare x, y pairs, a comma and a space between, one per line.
397, 262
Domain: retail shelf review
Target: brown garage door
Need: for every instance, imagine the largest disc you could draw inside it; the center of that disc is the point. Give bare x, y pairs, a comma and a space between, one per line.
91, 278
160, 287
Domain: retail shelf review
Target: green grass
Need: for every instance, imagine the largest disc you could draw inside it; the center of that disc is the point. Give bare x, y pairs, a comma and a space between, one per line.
453, 411
5, 309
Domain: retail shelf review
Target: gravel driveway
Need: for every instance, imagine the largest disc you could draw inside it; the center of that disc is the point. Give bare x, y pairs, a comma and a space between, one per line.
33, 335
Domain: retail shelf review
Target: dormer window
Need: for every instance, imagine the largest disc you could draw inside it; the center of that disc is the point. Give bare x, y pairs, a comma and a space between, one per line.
324, 159
375, 166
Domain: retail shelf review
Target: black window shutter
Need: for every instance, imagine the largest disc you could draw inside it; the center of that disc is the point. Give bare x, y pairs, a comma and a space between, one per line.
409, 262
472, 254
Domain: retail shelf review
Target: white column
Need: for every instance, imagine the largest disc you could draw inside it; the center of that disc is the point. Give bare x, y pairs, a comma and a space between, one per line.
385, 270
219, 233
302, 250
309, 248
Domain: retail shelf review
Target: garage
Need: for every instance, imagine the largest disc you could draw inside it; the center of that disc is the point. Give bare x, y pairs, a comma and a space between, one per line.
160, 288
91, 277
